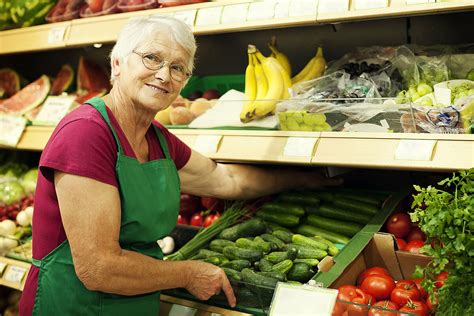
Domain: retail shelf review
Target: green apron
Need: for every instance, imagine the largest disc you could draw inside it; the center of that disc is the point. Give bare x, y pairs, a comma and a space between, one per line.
149, 195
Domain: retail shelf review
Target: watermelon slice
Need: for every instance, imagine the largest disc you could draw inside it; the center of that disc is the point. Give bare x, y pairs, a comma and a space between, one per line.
27, 98
63, 81
91, 77
9, 82
83, 97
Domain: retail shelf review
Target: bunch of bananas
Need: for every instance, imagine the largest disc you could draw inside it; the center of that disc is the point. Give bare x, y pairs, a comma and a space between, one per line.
268, 79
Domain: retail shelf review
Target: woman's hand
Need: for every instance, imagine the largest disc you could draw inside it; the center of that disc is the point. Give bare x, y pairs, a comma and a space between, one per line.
205, 280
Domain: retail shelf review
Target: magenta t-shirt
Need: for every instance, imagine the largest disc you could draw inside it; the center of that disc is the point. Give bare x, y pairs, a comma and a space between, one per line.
82, 144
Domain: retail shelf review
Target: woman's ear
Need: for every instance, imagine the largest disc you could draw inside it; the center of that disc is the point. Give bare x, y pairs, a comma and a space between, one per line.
116, 67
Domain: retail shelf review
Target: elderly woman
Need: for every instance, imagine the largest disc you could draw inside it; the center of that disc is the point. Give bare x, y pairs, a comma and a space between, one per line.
109, 187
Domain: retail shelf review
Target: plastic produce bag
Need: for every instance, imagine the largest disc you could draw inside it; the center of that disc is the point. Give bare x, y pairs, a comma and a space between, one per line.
435, 120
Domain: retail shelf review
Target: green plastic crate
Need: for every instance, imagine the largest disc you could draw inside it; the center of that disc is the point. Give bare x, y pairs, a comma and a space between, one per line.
221, 83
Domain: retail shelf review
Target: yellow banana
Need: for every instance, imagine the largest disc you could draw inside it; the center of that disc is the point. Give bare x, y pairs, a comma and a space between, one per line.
250, 80
304, 71
262, 82
282, 58
275, 85
318, 66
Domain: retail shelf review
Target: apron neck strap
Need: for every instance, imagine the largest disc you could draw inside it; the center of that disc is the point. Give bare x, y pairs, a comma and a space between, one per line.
163, 142
99, 105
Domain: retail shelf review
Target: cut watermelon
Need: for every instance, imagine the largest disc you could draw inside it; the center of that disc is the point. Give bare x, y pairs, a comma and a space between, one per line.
26, 13
27, 98
83, 97
9, 82
63, 81
91, 77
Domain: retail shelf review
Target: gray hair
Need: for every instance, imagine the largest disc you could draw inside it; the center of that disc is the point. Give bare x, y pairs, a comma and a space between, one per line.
139, 30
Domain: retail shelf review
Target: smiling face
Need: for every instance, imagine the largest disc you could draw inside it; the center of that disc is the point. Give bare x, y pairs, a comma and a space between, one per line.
154, 90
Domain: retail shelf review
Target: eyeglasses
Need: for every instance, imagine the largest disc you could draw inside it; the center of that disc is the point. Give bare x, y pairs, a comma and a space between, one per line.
154, 62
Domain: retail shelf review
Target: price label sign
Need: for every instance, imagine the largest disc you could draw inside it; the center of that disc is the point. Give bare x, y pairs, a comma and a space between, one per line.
3, 265
56, 35
303, 7
11, 129
208, 144
370, 4
15, 274
235, 13
333, 6
262, 10
419, 1
292, 299
415, 149
299, 146
209, 16
53, 110
282, 8
187, 17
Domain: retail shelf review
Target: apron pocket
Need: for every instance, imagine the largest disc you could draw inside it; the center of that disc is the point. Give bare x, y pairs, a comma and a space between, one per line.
148, 304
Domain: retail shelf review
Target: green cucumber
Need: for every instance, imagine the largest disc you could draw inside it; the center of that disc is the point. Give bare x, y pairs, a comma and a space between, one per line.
334, 225
285, 220
264, 265
206, 253
306, 241
282, 267
251, 277
273, 240
306, 252
300, 272
237, 265
219, 244
250, 244
283, 208
332, 211
362, 196
332, 249
277, 275
279, 256
265, 245
311, 231
299, 198
356, 206
233, 253
285, 236
324, 195
310, 262
213, 260
274, 227
232, 274
250, 228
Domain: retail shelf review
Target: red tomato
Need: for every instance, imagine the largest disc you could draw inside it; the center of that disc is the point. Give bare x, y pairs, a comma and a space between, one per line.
385, 309
189, 204
401, 244
416, 234
211, 218
399, 224
380, 286
213, 204
182, 220
347, 293
371, 271
360, 307
95, 5
196, 220
405, 291
414, 246
420, 288
443, 276
415, 307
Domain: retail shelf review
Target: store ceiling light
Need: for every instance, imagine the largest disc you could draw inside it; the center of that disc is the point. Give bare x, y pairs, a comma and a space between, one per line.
97, 45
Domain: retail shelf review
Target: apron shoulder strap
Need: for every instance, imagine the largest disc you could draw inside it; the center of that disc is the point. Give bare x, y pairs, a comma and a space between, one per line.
99, 105
163, 142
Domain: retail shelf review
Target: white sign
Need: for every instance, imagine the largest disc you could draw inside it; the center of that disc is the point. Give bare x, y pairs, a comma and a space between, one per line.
282, 8
262, 10
442, 95
209, 16
333, 6
420, 1
54, 109
235, 13
415, 149
3, 265
11, 128
15, 274
56, 35
303, 7
208, 144
299, 146
370, 4
187, 17
302, 300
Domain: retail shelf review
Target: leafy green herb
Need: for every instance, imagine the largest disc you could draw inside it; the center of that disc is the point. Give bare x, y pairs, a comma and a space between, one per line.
447, 219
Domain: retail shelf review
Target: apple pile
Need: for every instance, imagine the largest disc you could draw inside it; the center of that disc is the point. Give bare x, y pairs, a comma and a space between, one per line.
409, 236
199, 211
183, 111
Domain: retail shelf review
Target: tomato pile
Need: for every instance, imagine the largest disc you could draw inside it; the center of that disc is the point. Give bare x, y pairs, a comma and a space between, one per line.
409, 236
378, 294
199, 211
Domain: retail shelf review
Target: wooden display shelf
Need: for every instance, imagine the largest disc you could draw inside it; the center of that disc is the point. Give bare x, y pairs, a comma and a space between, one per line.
104, 29
8, 266
363, 150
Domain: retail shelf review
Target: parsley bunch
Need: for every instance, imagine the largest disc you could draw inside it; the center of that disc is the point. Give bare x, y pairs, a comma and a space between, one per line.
447, 218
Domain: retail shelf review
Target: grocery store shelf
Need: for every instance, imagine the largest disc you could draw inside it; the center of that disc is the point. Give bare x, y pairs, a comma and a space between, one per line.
363, 150
13, 273
104, 29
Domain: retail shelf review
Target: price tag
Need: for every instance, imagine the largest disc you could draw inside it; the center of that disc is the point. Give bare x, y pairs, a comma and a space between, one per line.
442, 95
415, 149
208, 144
53, 110
11, 128
299, 146
187, 17
293, 299
209, 16
282, 8
3, 265
370, 4
15, 274
303, 7
333, 6
420, 1
235, 13
262, 10
56, 35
